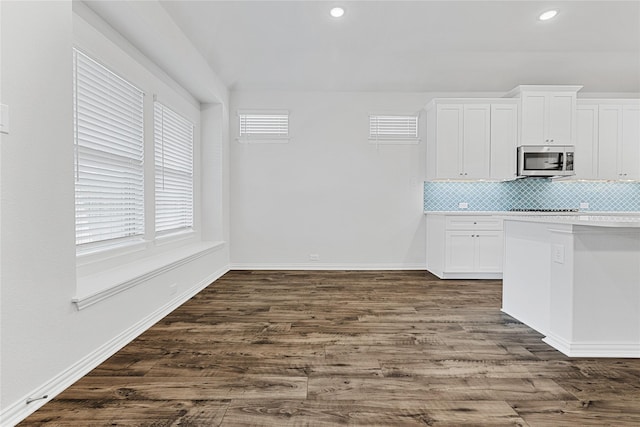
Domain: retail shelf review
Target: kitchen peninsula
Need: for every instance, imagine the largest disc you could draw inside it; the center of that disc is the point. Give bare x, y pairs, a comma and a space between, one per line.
575, 279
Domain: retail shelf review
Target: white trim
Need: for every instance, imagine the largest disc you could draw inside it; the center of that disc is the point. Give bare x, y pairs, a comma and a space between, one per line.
593, 349
19, 410
325, 266
516, 92
176, 236
102, 253
97, 287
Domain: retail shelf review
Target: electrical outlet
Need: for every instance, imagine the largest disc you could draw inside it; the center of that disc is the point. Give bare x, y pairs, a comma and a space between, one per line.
558, 253
4, 118
314, 257
463, 205
173, 289
584, 205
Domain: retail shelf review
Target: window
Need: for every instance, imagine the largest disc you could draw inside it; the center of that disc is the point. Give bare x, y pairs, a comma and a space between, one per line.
263, 125
173, 171
108, 137
394, 128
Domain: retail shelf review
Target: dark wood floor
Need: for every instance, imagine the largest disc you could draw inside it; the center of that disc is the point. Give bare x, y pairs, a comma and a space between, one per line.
346, 348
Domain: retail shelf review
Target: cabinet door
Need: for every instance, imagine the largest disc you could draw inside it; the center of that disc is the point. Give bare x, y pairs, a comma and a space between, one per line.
630, 143
560, 119
460, 251
504, 140
476, 141
533, 112
586, 154
609, 139
449, 132
489, 246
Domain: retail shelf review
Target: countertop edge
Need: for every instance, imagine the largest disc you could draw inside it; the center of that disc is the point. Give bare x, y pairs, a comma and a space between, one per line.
607, 221
521, 213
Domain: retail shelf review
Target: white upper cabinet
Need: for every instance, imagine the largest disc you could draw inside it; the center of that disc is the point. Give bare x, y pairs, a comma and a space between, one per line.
629, 149
504, 137
608, 139
446, 154
476, 141
547, 114
619, 141
461, 146
471, 139
586, 154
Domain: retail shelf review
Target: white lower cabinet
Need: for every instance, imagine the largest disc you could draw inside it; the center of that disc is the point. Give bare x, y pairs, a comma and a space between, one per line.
464, 246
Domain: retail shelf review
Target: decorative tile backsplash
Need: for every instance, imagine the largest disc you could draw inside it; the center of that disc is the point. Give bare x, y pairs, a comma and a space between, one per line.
532, 193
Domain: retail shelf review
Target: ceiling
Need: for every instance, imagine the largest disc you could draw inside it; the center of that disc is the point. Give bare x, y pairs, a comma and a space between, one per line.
425, 46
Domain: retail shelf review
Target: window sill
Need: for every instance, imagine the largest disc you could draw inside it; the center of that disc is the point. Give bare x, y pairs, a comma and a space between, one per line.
94, 288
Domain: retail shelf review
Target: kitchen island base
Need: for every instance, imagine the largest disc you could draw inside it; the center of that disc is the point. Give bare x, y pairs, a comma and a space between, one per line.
576, 282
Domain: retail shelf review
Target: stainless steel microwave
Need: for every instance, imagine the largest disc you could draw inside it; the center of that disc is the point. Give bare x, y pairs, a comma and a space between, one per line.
545, 161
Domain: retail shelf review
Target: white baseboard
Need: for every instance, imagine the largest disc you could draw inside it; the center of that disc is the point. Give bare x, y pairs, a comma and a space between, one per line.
594, 349
325, 266
18, 411
470, 276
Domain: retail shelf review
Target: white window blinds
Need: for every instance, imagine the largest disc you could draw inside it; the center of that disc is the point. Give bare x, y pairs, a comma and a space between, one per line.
393, 128
264, 125
108, 127
173, 170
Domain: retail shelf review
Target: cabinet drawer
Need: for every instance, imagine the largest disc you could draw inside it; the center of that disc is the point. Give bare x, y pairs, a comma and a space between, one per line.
473, 223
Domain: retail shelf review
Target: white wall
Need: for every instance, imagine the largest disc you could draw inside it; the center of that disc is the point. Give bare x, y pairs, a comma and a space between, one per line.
46, 343
329, 191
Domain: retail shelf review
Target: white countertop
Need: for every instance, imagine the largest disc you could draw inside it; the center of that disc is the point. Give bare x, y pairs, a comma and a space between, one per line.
528, 213
479, 213
595, 219
618, 220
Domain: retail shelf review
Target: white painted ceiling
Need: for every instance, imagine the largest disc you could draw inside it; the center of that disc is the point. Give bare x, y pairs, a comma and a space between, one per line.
426, 46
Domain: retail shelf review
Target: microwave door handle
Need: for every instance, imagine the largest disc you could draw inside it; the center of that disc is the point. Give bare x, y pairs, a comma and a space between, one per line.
561, 161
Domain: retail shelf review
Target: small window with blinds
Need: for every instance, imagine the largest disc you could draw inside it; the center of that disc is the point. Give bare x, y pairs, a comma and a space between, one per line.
173, 136
263, 126
108, 137
393, 128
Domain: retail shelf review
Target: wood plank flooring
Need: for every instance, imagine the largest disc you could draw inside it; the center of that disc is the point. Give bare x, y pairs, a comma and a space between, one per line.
287, 348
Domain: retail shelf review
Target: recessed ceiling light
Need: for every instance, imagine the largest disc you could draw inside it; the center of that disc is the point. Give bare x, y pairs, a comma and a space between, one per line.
337, 12
548, 15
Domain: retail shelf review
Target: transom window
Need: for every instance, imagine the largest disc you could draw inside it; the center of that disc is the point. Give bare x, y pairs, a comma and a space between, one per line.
263, 125
400, 128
